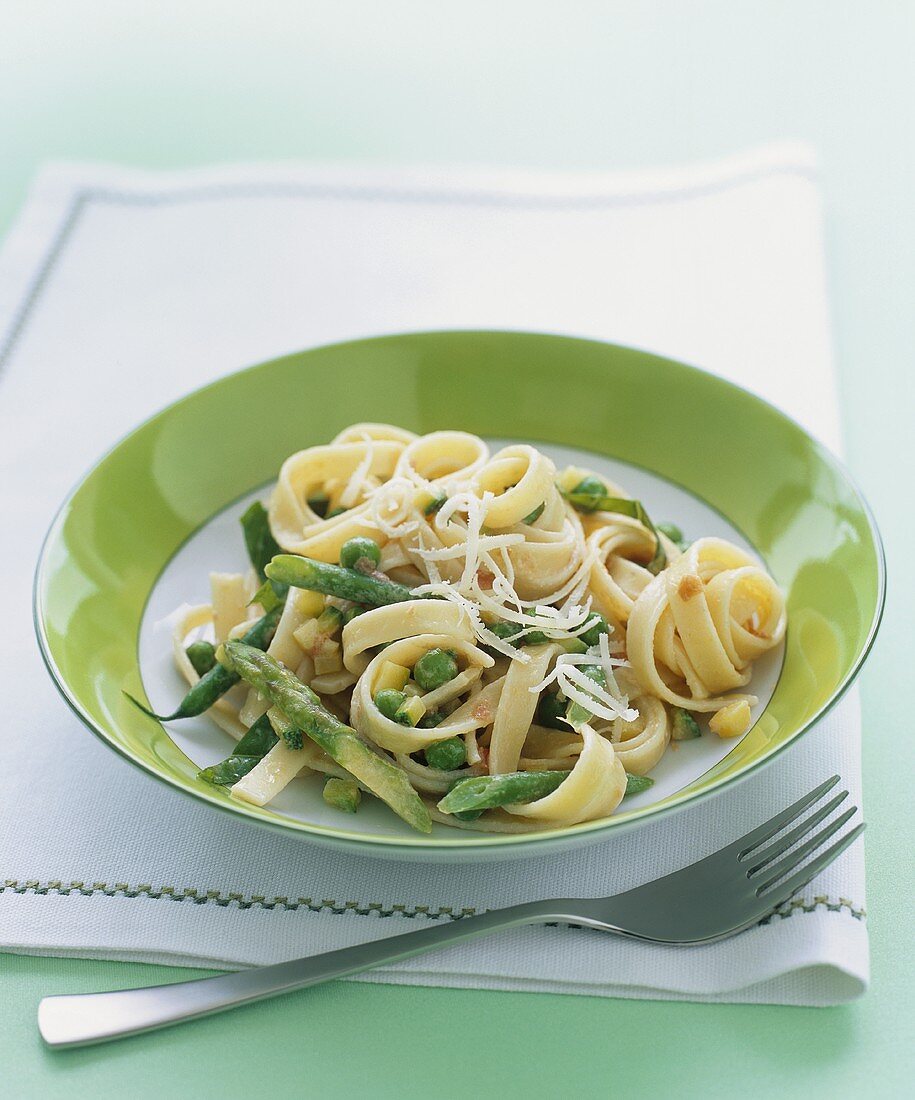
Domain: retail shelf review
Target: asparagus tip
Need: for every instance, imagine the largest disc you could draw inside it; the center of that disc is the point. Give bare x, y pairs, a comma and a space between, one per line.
151, 713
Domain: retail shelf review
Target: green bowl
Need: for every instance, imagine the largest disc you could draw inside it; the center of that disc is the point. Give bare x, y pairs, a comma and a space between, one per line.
121, 534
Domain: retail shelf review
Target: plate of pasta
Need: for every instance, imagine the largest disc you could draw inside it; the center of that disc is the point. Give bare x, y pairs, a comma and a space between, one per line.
469, 594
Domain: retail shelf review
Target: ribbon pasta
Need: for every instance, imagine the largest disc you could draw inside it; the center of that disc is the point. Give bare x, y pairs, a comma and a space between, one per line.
538, 646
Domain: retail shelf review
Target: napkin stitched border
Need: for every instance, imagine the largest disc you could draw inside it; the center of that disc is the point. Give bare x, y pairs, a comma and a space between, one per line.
85, 196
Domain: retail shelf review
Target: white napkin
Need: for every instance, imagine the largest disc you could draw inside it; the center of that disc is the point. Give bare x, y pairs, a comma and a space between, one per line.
120, 290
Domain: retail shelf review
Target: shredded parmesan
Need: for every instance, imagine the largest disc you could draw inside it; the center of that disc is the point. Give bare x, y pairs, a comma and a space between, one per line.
610, 702
392, 510
354, 486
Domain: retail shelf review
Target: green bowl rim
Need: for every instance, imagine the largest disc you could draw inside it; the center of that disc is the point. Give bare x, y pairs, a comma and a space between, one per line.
528, 841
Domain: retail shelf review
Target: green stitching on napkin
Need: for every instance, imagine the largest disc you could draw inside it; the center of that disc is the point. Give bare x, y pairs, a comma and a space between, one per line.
330, 905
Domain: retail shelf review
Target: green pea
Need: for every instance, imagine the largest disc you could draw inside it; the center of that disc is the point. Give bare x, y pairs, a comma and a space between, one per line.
435, 668
431, 719
202, 656
597, 625
589, 492
505, 631
389, 702
446, 755
551, 709
355, 550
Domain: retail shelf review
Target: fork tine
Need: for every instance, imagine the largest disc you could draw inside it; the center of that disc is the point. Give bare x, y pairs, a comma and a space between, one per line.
760, 859
775, 825
794, 858
811, 870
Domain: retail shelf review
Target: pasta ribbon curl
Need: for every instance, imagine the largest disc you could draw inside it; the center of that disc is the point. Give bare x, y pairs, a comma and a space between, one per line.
384, 625
469, 716
641, 743
619, 549
697, 627
594, 788
446, 459
345, 474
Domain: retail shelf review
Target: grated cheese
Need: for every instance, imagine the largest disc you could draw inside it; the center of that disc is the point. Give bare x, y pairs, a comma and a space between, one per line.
610, 702
354, 486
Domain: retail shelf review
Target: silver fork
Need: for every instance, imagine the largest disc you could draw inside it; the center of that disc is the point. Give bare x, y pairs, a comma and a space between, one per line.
726, 892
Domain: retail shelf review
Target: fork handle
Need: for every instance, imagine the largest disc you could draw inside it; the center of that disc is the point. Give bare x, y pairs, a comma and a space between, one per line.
82, 1018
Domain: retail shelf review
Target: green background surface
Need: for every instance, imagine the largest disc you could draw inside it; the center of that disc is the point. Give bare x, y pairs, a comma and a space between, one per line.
603, 85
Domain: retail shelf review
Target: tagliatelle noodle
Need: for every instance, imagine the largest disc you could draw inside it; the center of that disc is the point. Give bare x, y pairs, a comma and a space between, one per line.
229, 596
300, 530
641, 743
442, 457
620, 548
391, 735
516, 709
382, 625
594, 788
190, 624
355, 433
693, 626
519, 479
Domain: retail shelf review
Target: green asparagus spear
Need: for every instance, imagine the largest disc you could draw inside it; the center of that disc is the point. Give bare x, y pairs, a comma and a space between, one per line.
483, 792
202, 656
267, 595
262, 548
304, 710
532, 517
672, 531
219, 679
590, 495
254, 746
333, 580
261, 544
